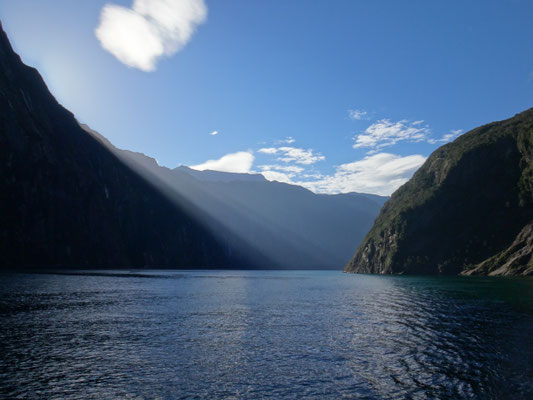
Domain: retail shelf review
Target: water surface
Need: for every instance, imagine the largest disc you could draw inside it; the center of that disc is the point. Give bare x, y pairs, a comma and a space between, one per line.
264, 334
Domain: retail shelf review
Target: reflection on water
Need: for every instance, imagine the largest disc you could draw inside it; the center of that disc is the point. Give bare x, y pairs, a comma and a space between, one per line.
256, 334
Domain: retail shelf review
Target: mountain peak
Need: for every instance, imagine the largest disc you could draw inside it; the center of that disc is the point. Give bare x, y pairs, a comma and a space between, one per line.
219, 176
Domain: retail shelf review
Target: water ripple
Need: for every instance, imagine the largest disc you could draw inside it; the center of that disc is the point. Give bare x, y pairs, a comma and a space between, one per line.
290, 335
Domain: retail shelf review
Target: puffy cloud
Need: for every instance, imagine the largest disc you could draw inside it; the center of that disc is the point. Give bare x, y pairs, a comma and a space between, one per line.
384, 133
380, 173
141, 35
293, 154
448, 137
357, 114
240, 161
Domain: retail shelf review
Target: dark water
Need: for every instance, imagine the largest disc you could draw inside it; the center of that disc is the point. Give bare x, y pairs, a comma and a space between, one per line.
240, 335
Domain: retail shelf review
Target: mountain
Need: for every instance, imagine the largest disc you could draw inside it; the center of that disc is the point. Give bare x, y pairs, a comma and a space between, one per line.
288, 225
467, 210
218, 176
67, 201
69, 198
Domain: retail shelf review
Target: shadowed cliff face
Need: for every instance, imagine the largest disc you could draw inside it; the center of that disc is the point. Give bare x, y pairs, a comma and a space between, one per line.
468, 203
65, 200
69, 198
287, 224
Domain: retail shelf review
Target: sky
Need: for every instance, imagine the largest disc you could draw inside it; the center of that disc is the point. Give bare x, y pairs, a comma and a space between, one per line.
334, 95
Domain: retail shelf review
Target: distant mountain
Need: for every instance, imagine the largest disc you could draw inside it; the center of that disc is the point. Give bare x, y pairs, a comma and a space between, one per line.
67, 201
288, 225
217, 176
69, 198
468, 209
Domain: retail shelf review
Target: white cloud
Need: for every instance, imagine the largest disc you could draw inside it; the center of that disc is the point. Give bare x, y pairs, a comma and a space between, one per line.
141, 35
357, 114
448, 137
381, 173
287, 140
293, 154
285, 168
384, 133
240, 161
280, 173
214, 133
268, 150
278, 176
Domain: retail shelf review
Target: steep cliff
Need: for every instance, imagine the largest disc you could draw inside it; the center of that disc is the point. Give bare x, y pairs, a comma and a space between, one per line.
468, 209
66, 200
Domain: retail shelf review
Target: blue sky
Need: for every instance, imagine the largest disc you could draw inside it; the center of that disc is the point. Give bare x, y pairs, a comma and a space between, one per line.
336, 95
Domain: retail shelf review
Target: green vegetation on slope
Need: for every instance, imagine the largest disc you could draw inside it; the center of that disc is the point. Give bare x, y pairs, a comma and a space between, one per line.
468, 202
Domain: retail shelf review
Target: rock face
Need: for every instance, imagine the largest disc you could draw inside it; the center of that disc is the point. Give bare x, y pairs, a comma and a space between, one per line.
517, 259
66, 200
468, 209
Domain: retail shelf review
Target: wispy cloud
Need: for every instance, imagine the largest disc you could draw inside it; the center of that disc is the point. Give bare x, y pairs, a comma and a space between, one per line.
139, 36
357, 114
380, 173
240, 161
385, 133
280, 173
214, 133
278, 176
293, 154
287, 140
448, 137
285, 168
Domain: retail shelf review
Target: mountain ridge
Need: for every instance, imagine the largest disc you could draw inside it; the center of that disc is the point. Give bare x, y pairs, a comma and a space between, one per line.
466, 204
291, 225
70, 199
66, 201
